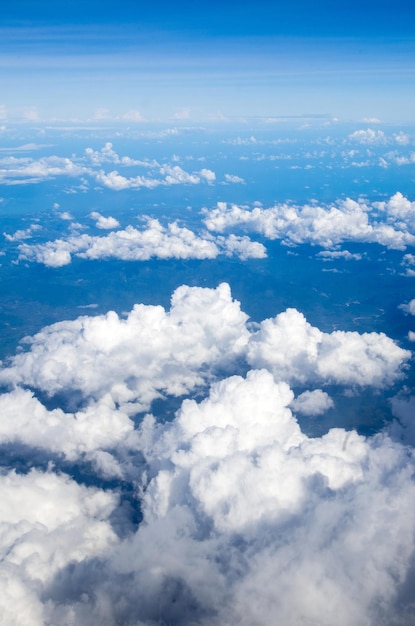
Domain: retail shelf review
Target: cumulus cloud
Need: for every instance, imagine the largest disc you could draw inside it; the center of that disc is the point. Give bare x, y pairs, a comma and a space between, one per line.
149, 352
328, 255
104, 222
245, 519
48, 522
312, 403
297, 352
232, 178
27, 233
391, 223
401, 138
368, 136
154, 241
408, 308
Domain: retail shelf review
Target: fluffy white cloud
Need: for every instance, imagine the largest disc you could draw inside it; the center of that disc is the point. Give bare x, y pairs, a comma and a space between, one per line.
104, 222
401, 138
408, 308
149, 352
99, 427
368, 136
246, 520
152, 350
23, 234
312, 402
297, 352
391, 224
130, 244
279, 527
339, 254
48, 522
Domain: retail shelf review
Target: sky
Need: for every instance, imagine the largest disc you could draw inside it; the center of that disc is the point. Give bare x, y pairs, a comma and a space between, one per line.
204, 61
207, 314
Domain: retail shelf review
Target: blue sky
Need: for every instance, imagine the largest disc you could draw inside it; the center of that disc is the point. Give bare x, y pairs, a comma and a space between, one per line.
202, 61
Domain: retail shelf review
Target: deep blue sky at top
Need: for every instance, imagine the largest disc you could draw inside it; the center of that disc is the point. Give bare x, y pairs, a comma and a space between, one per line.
205, 59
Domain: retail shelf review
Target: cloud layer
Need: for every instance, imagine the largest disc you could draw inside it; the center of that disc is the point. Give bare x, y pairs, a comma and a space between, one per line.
245, 519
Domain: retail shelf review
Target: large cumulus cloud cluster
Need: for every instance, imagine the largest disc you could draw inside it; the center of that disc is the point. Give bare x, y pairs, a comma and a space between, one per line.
390, 224
243, 517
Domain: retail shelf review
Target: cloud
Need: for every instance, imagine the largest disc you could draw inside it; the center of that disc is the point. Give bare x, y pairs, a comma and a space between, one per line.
408, 308
391, 223
245, 519
88, 434
328, 255
312, 402
48, 522
231, 178
154, 241
297, 352
27, 233
148, 353
368, 136
95, 164
14, 171
401, 138
104, 222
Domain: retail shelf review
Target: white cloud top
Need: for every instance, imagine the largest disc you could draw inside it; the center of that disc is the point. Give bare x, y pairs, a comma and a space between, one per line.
246, 520
390, 224
154, 241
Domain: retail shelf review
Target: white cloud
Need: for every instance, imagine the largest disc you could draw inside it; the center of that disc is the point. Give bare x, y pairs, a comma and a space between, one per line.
401, 138
208, 175
312, 403
97, 427
48, 522
368, 136
150, 352
104, 222
65, 215
27, 170
231, 178
391, 223
131, 244
339, 254
297, 352
408, 308
246, 520
27, 233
